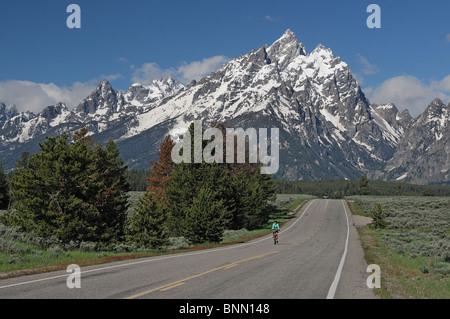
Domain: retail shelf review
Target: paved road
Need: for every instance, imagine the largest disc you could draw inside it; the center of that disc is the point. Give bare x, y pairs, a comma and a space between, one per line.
318, 256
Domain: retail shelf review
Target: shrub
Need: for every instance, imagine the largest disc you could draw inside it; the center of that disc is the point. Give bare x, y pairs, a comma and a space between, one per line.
424, 269
72, 245
52, 242
235, 233
442, 268
178, 242
55, 251
85, 246
13, 259
446, 256
124, 248
379, 217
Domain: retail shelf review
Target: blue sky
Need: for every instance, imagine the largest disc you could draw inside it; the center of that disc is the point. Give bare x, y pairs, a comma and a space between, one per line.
406, 61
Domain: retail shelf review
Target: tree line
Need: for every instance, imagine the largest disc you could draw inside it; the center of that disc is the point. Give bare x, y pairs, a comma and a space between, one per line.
363, 186
78, 191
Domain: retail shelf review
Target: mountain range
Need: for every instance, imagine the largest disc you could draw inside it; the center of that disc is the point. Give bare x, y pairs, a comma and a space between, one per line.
328, 127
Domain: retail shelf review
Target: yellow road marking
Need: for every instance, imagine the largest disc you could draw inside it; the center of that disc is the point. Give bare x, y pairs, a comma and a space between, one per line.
317, 229
182, 281
174, 286
230, 266
326, 204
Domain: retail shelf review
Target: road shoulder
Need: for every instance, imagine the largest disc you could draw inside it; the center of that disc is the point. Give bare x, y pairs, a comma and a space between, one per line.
352, 284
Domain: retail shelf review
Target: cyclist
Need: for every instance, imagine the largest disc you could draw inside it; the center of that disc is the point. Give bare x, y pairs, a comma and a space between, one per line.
275, 230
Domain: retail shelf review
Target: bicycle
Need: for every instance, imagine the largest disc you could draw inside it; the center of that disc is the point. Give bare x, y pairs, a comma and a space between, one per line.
275, 237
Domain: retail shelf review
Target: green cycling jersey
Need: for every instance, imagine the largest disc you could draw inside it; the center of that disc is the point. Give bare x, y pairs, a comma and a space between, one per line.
275, 226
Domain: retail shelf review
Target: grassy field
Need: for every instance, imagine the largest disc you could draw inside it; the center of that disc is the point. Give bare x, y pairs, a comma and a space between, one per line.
413, 251
22, 253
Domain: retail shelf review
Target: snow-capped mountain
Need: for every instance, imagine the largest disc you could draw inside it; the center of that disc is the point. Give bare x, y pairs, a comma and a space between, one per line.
423, 153
328, 128
140, 95
6, 112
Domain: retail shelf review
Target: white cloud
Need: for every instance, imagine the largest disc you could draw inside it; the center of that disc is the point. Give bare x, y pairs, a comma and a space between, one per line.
34, 97
367, 67
185, 73
408, 92
197, 70
269, 18
443, 85
149, 72
447, 37
126, 62
110, 77
359, 78
31, 96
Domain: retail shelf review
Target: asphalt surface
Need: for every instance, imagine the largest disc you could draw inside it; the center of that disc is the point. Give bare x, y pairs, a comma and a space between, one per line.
318, 256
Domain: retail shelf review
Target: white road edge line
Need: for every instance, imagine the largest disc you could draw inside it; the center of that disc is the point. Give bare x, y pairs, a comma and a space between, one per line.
335, 283
156, 259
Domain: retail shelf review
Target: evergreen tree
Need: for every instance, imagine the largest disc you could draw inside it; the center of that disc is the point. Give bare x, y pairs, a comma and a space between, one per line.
111, 188
378, 217
253, 195
180, 192
71, 190
147, 225
363, 186
205, 218
240, 195
4, 190
22, 163
161, 171
186, 182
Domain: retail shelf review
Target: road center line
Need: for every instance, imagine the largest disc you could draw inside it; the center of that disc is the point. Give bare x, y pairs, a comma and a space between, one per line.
182, 281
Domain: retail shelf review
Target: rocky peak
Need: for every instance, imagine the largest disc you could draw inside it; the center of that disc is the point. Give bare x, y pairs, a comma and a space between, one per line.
52, 111
139, 94
7, 112
104, 100
405, 118
435, 114
286, 49
387, 111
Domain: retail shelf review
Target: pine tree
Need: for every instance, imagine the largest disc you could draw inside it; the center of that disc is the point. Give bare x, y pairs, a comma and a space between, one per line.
180, 191
161, 171
205, 218
111, 189
147, 226
4, 190
240, 193
253, 194
378, 217
363, 186
72, 191
22, 163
